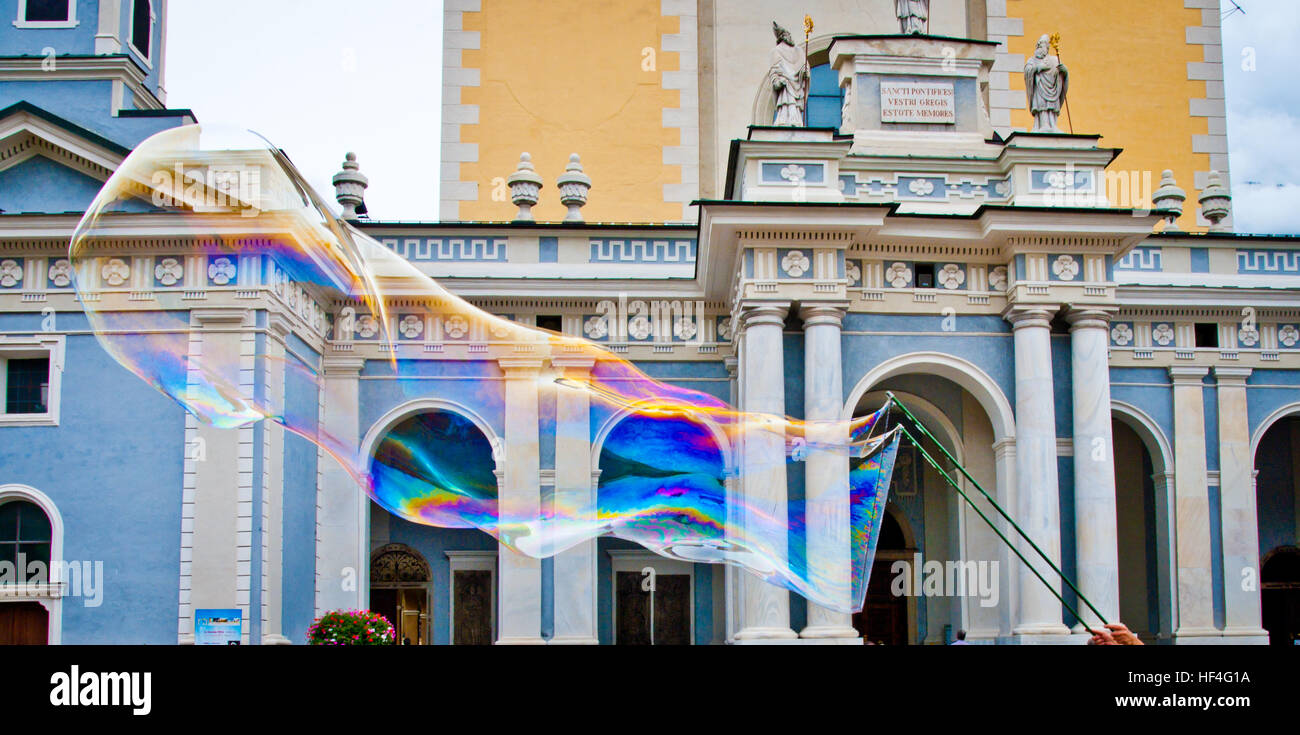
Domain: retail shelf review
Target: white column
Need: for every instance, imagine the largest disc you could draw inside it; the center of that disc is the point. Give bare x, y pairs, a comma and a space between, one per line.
826, 473
273, 486
1038, 507
1191, 506
765, 611
575, 491
1095, 523
216, 516
342, 559
520, 499
1004, 460
1237, 509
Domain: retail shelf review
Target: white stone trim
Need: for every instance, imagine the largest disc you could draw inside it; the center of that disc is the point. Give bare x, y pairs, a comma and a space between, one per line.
71, 22
686, 116
452, 189
37, 346
1208, 35
1002, 98
50, 595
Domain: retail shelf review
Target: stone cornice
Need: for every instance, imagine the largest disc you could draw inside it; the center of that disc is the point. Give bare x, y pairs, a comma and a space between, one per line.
1188, 375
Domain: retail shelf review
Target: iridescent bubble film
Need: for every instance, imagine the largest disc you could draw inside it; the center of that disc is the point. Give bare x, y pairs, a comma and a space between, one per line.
226, 209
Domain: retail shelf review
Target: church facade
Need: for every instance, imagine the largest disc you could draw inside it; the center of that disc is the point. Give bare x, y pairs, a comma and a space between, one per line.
1093, 343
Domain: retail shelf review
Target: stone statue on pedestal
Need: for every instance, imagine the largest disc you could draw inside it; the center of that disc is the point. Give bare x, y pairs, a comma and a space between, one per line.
913, 16
789, 77
1046, 82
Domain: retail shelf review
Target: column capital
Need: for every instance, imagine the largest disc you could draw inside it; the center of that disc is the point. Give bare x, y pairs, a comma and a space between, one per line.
520, 367
733, 366
1089, 317
1030, 316
1003, 448
223, 316
829, 313
1230, 375
1187, 374
749, 314
342, 365
572, 365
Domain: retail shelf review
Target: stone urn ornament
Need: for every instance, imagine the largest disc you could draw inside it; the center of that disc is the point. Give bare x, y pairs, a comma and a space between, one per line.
574, 185
1167, 201
1216, 202
525, 187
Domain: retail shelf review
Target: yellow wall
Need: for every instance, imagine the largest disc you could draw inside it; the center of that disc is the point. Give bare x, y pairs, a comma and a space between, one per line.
1128, 81
565, 76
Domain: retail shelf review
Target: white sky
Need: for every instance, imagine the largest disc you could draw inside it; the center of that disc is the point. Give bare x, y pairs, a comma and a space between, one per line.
319, 78
323, 77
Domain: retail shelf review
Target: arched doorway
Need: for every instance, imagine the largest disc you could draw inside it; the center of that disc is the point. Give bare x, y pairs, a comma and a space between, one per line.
438, 583
400, 588
26, 543
885, 618
633, 471
1277, 508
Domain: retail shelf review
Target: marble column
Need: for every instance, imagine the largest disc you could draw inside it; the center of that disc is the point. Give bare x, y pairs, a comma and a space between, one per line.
1095, 523
575, 493
765, 608
826, 483
1191, 506
1038, 507
1237, 508
519, 500
342, 532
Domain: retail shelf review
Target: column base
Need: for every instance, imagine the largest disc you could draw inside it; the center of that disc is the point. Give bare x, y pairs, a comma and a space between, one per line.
275, 639
1042, 634
521, 640
573, 640
185, 639
765, 635
1216, 637
829, 631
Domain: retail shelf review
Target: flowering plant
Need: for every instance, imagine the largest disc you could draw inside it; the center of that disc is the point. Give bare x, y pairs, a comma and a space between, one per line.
351, 628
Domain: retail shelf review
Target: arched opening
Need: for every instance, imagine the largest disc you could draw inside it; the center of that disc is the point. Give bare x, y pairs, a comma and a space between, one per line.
1277, 508
944, 535
1144, 523
644, 463
1135, 524
438, 582
30, 552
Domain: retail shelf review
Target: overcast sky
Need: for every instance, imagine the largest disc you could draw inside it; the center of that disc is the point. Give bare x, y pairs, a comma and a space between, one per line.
323, 77
319, 78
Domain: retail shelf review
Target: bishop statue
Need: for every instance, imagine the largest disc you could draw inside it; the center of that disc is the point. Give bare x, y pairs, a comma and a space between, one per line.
1046, 82
913, 16
788, 74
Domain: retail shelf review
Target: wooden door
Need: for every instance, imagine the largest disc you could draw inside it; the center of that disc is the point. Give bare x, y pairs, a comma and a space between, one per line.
472, 616
883, 619
672, 613
24, 624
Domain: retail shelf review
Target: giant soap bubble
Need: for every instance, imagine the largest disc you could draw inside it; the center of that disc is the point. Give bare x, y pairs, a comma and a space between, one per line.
208, 217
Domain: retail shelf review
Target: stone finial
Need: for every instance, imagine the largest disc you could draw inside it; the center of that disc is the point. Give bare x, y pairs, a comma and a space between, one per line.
574, 185
525, 187
1167, 201
1216, 202
350, 188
